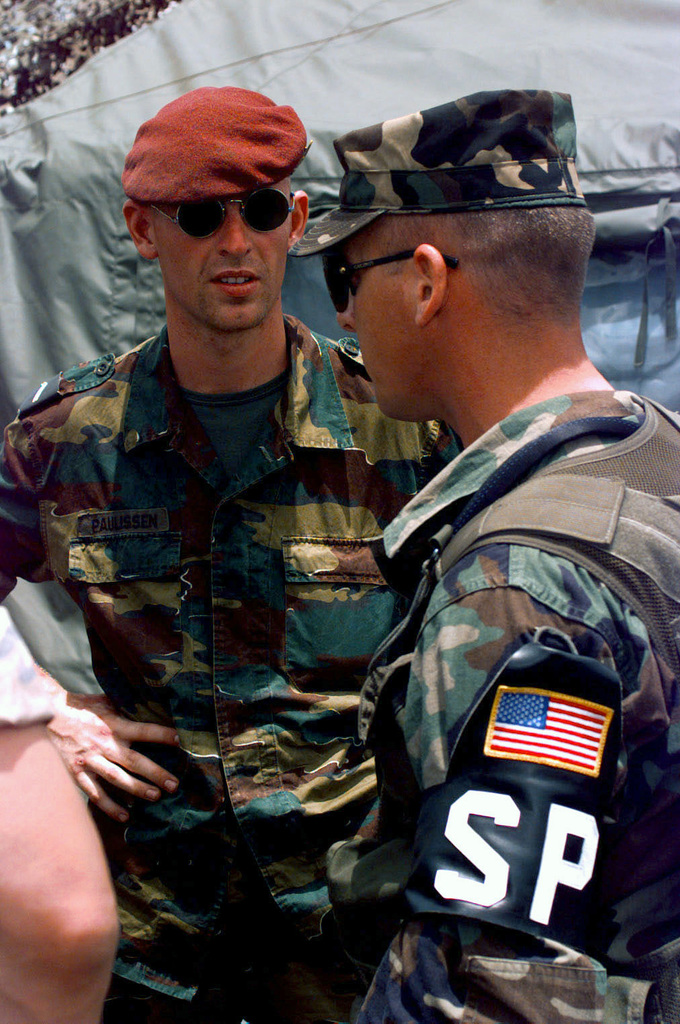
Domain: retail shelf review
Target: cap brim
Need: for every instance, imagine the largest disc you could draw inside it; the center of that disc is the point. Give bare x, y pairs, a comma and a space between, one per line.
332, 228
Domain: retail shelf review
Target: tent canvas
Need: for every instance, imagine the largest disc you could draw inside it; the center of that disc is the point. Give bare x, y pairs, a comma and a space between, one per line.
73, 287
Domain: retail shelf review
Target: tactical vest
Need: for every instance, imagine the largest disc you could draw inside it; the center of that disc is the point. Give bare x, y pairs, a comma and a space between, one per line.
616, 512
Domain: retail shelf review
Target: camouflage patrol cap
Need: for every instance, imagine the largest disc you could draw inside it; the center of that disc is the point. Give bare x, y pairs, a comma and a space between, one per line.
482, 152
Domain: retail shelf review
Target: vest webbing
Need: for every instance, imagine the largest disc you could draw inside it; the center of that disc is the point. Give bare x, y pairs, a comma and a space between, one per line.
616, 512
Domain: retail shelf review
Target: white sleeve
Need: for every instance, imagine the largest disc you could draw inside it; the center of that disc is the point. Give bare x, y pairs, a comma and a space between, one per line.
25, 697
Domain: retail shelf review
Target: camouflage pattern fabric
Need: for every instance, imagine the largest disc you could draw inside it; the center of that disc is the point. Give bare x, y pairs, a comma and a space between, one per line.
486, 151
24, 697
490, 603
243, 611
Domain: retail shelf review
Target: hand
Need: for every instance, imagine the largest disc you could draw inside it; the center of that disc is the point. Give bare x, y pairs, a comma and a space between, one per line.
95, 743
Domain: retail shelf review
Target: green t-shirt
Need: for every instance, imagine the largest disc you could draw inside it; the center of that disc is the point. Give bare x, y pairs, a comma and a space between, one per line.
234, 421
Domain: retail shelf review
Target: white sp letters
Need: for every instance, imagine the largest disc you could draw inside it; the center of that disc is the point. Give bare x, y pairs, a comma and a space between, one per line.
554, 869
451, 884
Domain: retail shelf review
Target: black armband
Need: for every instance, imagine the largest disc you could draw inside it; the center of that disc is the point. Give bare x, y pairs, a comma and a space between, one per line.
512, 836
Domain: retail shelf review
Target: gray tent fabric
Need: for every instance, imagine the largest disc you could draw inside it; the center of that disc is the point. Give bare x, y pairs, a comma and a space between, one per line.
72, 285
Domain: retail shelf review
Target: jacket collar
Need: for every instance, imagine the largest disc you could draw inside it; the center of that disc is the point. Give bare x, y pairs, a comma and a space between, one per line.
311, 413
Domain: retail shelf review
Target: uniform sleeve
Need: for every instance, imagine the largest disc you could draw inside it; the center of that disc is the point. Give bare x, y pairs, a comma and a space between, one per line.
469, 962
436, 972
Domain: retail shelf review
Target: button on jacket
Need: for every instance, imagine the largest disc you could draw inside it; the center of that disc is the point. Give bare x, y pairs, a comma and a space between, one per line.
242, 610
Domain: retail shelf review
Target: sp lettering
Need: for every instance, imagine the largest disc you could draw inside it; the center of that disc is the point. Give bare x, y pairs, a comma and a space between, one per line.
554, 869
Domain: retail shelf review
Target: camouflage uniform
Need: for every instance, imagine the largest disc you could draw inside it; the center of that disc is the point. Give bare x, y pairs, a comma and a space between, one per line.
242, 611
444, 968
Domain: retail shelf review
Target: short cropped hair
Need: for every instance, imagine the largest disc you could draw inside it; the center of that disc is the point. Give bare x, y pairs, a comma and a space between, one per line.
524, 258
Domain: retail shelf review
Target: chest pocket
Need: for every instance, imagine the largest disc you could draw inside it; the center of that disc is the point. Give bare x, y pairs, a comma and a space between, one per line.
115, 558
338, 609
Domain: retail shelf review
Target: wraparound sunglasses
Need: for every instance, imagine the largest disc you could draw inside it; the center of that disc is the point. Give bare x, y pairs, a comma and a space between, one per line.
263, 210
339, 273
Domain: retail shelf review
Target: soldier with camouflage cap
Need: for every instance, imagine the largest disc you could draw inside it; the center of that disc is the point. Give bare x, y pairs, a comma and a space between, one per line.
497, 150
208, 499
523, 713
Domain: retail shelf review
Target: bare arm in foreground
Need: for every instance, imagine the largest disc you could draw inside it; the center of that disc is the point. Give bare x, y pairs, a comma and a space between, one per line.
58, 926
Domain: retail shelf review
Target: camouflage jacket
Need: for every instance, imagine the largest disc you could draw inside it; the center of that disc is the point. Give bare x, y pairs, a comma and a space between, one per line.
441, 966
241, 610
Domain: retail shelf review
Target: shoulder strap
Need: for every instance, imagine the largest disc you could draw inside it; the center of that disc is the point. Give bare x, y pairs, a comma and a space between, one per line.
79, 378
628, 538
510, 472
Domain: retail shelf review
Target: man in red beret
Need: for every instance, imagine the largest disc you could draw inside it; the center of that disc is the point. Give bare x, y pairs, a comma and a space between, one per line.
208, 499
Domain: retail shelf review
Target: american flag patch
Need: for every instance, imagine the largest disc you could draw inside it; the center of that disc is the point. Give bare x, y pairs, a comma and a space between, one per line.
548, 728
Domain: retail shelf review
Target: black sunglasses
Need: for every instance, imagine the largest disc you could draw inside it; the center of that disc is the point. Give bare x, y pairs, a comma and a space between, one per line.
263, 210
339, 273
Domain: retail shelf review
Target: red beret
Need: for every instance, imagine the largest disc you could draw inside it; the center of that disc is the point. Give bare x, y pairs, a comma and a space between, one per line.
213, 142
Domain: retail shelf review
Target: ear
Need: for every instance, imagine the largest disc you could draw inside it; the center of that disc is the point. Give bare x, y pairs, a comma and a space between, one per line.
298, 217
431, 282
140, 226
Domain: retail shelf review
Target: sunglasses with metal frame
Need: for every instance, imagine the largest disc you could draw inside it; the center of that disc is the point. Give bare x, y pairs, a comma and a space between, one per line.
339, 273
265, 209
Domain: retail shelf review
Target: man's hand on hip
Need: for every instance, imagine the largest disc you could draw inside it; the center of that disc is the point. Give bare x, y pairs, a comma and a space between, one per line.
95, 743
